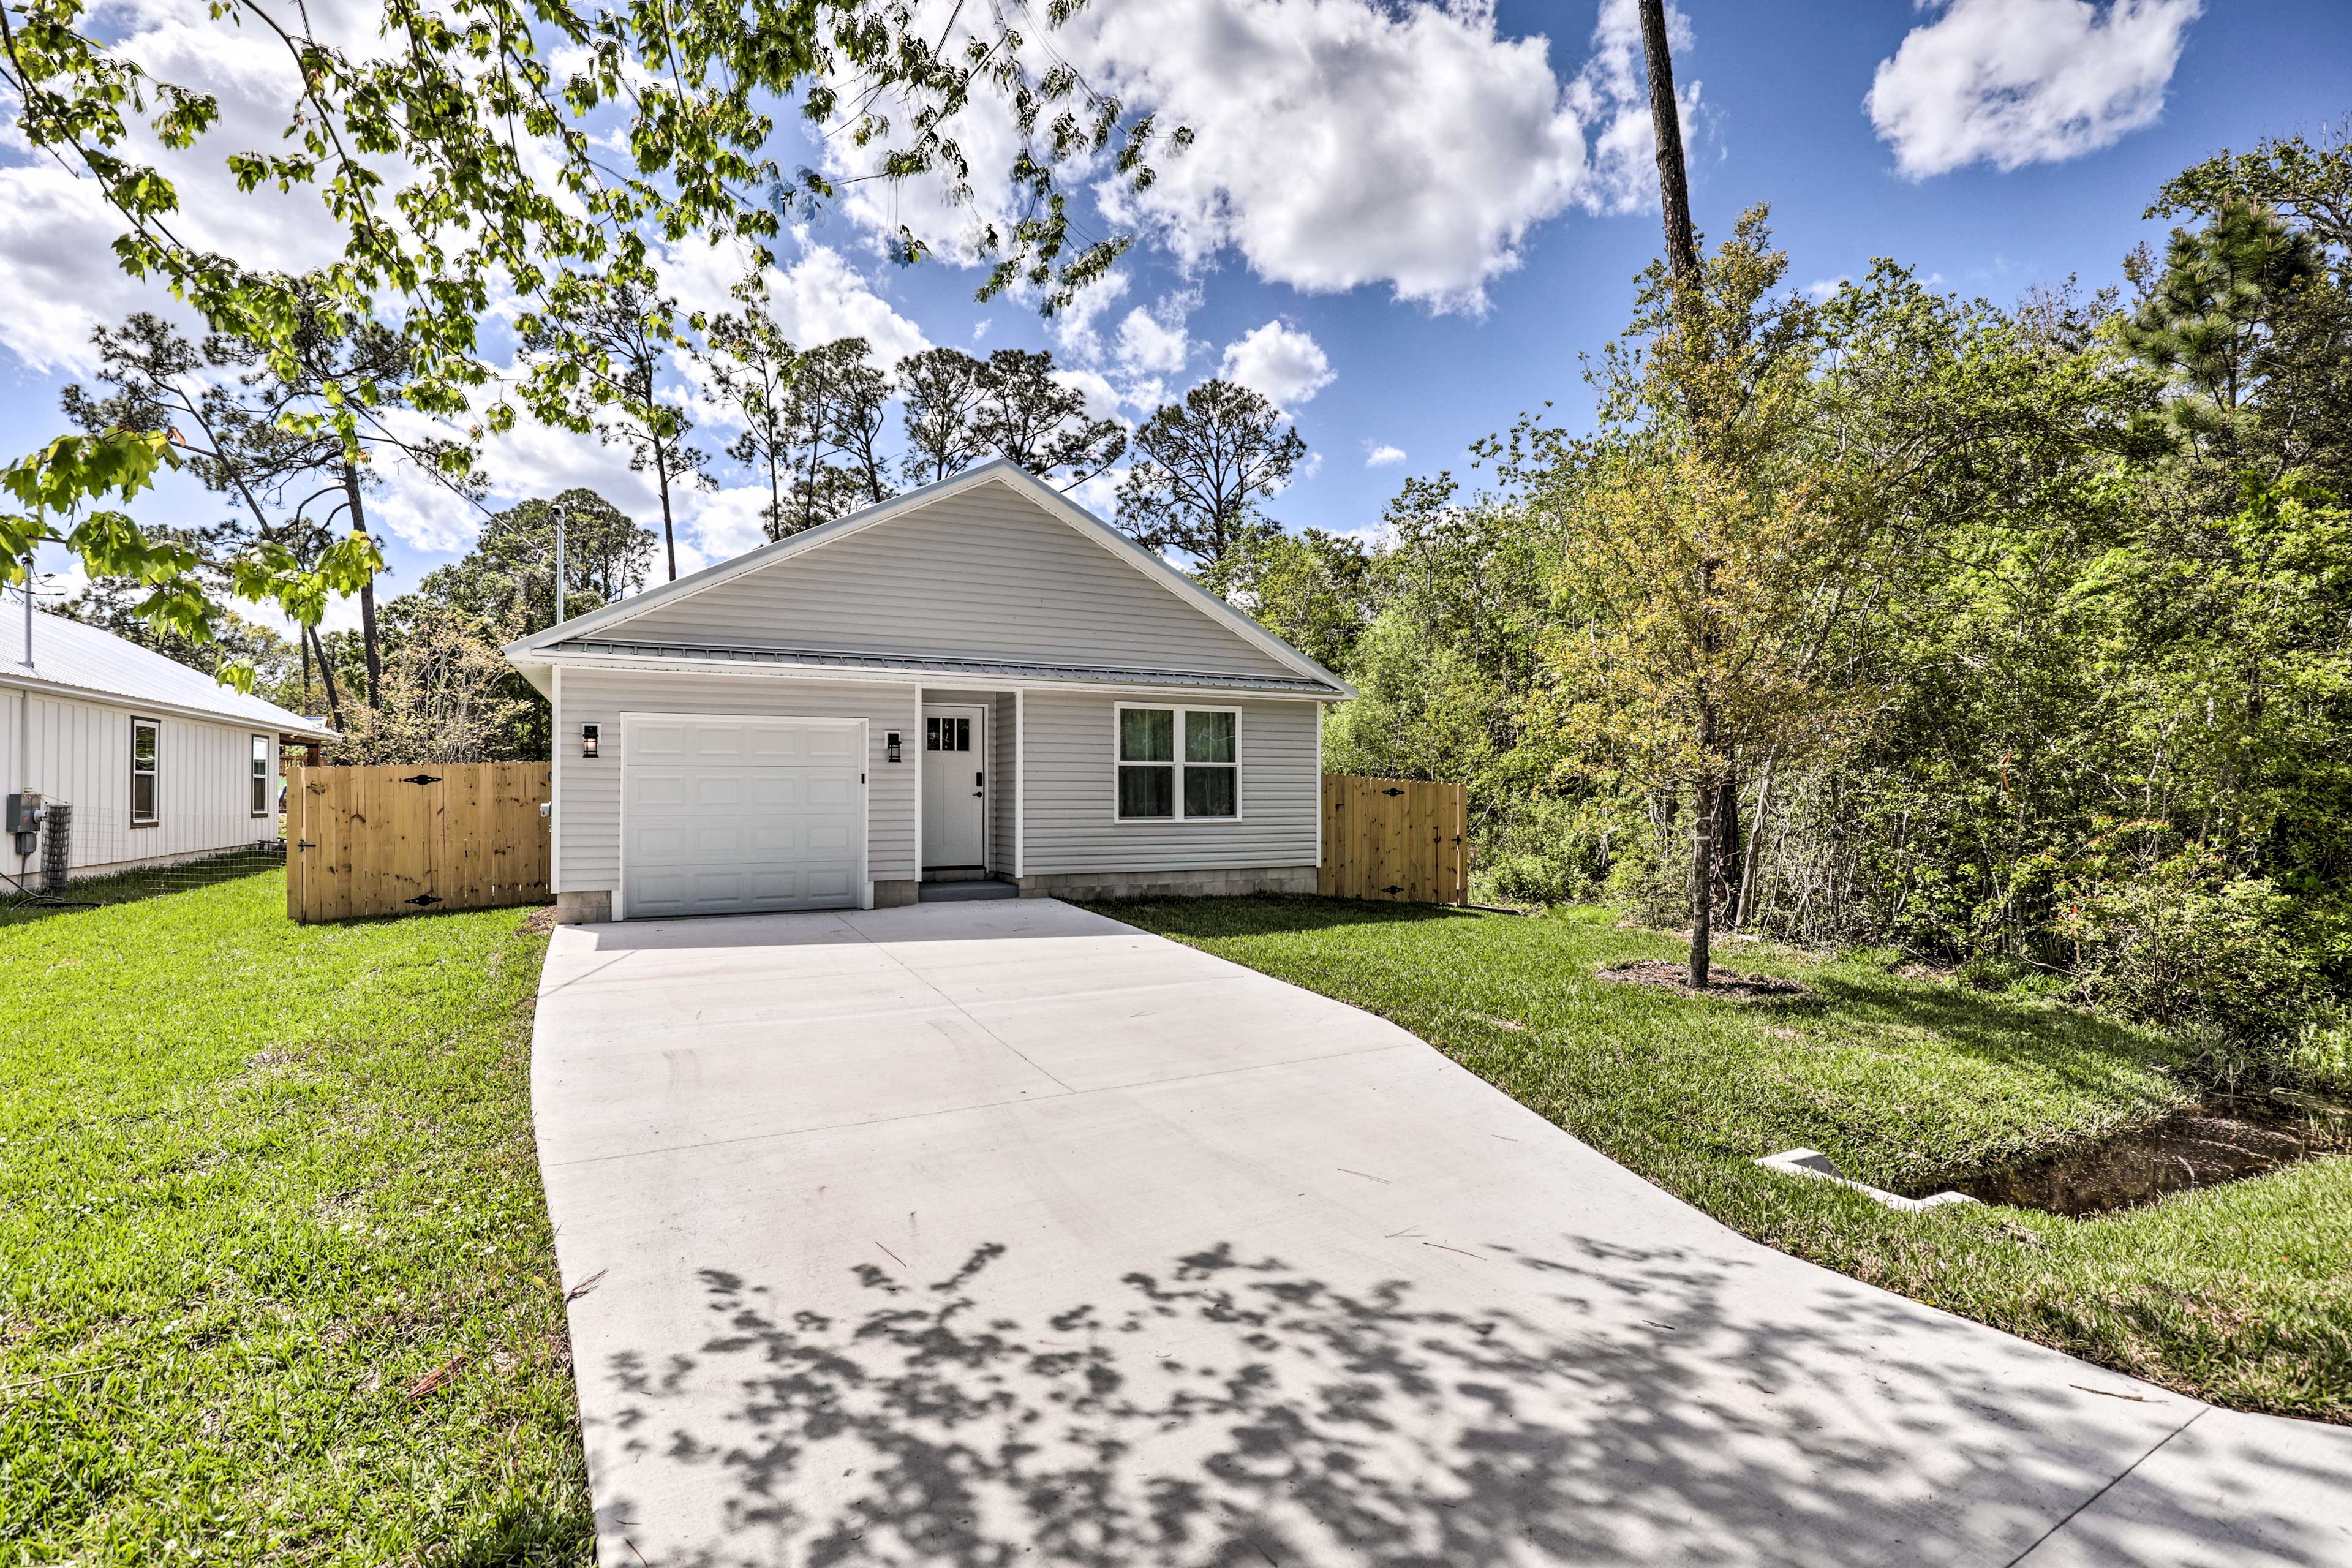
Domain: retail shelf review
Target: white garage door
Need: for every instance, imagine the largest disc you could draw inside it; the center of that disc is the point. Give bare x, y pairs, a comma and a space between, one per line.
726, 815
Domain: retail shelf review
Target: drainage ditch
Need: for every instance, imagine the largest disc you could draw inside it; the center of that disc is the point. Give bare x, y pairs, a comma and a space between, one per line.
2222, 1140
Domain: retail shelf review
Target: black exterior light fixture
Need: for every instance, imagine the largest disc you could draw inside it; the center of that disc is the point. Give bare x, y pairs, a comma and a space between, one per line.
587, 740
890, 745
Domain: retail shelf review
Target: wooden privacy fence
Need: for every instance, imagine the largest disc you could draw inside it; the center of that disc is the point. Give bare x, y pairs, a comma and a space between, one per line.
1404, 839
396, 841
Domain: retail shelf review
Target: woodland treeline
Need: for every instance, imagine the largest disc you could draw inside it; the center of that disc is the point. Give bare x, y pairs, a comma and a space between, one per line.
2019, 632
821, 429
2028, 629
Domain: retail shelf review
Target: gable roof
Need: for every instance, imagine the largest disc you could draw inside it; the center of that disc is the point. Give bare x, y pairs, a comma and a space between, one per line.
604, 626
73, 656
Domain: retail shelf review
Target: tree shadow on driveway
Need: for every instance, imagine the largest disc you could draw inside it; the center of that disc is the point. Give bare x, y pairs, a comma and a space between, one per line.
1229, 1409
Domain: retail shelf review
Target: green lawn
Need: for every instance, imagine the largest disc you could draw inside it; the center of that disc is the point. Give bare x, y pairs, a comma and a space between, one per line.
276, 1278
2240, 1293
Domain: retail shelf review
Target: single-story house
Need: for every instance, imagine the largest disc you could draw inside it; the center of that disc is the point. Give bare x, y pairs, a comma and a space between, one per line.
977, 680
156, 761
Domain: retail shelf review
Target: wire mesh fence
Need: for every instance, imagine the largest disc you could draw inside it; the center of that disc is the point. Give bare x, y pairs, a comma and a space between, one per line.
84, 857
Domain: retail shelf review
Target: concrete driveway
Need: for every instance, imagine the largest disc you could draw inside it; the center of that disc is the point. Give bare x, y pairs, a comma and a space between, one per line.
988, 1234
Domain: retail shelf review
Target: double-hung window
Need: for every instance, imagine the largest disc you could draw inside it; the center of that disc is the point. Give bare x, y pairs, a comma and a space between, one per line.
261, 775
146, 757
1177, 764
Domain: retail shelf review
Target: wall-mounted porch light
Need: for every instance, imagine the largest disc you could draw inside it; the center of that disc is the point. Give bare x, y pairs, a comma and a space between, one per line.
587, 740
890, 745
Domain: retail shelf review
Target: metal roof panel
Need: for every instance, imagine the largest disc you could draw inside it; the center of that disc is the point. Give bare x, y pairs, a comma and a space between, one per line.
69, 654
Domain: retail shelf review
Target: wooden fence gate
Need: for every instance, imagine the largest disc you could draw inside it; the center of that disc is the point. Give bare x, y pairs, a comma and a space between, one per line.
1404, 839
396, 841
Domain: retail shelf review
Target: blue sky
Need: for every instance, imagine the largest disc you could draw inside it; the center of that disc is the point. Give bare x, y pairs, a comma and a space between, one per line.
1427, 215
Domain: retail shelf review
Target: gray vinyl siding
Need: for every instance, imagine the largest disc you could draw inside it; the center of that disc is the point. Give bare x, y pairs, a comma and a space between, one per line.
1004, 763
1070, 787
981, 574
588, 830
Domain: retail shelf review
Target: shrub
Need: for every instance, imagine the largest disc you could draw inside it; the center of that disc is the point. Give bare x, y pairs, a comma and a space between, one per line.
2184, 943
2320, 1052
1547, 850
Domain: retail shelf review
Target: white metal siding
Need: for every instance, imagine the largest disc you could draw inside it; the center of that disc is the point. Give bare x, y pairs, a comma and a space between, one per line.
82, 755
983, 574
589, 836
1071, 787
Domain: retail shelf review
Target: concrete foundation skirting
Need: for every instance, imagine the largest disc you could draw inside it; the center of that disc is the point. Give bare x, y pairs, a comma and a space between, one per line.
896, 891
1085, 885
583, 909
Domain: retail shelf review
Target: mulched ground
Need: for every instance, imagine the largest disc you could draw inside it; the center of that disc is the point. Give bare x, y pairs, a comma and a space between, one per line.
539, 921
1724, 984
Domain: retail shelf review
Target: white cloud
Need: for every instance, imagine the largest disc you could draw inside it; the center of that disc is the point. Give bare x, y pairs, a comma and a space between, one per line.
1099, 494
725, 522
1338, 143
58, 271
1382, 455
818, 298
1284, 363
1154, 342
1821, 289
1610, 96
1102, 398
2010, 82
1075, 328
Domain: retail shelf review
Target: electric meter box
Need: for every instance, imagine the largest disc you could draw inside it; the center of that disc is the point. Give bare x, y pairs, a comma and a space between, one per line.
24, 814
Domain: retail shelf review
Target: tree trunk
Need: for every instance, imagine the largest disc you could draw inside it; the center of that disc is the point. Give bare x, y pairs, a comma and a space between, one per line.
326, 674
371, 646
661, 477
1702, 884
1674, 185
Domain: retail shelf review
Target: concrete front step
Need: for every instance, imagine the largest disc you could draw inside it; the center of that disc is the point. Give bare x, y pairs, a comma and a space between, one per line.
961, 893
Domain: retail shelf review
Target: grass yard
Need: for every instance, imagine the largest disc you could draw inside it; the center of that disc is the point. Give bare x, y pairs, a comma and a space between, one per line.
276, 1278
2240, 1293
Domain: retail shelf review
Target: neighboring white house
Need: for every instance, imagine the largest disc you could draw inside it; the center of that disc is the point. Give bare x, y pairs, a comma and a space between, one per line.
977, 680
158, 762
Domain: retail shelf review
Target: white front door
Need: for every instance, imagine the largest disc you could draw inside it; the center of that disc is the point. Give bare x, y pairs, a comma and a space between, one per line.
729, 815
955, 785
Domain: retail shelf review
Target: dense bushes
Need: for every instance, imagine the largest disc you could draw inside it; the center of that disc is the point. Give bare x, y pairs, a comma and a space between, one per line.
2091, 696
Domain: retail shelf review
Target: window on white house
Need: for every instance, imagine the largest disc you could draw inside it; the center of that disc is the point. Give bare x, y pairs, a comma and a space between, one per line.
1179, 763
146, 748
260, 775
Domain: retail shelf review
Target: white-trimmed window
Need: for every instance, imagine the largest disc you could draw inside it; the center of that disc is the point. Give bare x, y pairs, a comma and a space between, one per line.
1177, 764
261, 775
146, 760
